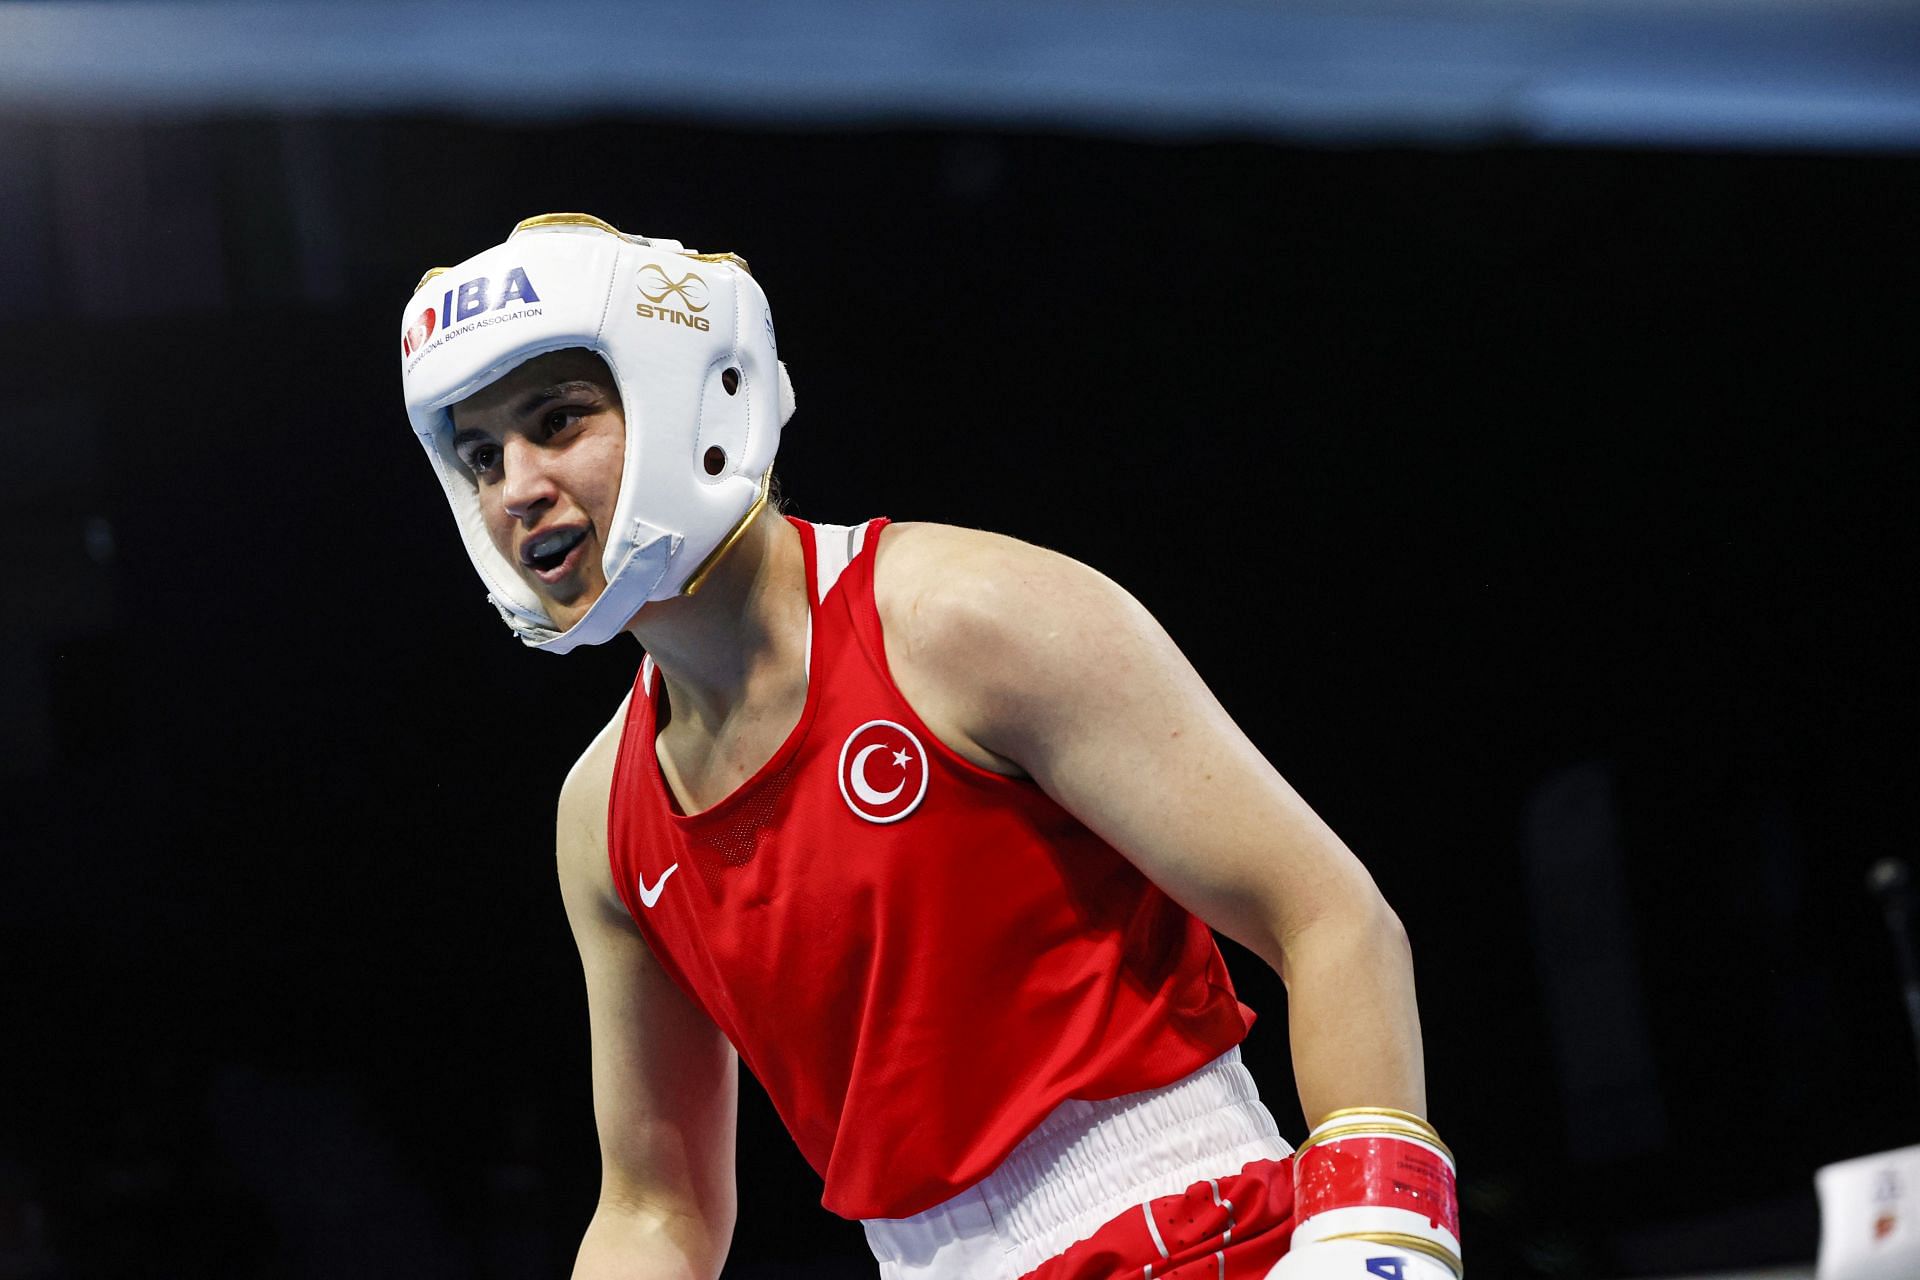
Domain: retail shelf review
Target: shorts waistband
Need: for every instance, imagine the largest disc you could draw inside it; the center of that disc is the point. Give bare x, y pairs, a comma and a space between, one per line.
1087, 1163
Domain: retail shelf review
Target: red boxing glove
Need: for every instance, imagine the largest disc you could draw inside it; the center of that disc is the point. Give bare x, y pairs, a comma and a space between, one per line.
1378, 1178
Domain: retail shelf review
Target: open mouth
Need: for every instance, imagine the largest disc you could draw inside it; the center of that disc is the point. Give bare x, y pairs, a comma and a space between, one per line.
550, 551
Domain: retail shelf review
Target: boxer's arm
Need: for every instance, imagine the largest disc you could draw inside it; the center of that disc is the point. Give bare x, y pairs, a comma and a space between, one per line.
665, 1081
1025, 660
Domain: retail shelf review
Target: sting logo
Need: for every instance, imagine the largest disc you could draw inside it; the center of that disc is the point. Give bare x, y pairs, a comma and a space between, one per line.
883, 771
656, 286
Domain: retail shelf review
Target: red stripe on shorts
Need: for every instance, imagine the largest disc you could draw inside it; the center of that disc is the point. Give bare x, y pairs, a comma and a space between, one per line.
1231, 1228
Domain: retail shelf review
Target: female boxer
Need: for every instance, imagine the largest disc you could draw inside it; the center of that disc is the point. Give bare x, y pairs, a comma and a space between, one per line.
927, 825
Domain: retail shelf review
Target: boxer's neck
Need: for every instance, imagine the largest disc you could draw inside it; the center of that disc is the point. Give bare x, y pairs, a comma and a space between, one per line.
743, 637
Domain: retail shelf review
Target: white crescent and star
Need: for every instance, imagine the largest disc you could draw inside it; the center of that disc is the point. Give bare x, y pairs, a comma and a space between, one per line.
864, 789
862, 796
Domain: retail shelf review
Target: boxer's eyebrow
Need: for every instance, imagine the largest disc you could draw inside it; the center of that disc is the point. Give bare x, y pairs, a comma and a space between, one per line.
558, 391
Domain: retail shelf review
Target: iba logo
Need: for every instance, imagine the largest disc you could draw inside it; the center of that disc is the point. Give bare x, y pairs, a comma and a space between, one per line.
470, 299
690, 291
883, 771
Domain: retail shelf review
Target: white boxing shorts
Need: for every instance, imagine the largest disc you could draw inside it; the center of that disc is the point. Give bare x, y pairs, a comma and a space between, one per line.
1092, 1167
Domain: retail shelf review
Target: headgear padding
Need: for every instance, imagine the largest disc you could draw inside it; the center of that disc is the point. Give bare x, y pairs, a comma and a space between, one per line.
669, 323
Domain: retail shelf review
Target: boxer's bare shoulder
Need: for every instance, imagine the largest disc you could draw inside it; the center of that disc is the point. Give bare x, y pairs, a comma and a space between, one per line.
979, 625
949, 601
581, 843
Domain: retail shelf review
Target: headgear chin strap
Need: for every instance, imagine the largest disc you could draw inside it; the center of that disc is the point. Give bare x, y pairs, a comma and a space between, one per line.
689, 339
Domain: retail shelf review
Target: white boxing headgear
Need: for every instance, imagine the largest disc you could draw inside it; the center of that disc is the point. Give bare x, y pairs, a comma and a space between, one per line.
689, 339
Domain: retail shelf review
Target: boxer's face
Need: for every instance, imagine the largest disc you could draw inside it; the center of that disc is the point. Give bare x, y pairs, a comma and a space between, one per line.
546, 445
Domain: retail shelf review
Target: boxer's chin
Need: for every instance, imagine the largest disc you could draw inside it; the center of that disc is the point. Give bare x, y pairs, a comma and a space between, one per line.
568, 599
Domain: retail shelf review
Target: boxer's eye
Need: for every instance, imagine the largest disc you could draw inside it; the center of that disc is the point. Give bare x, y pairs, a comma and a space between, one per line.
554, 421
478, 456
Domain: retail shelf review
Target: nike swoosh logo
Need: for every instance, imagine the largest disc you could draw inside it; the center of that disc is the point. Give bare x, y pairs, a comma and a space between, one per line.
650, 896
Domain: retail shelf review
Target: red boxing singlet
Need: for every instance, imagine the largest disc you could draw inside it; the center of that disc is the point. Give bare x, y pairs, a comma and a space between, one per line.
917, 958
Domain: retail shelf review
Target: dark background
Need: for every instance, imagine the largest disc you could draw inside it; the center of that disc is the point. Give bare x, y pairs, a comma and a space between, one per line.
1545, 516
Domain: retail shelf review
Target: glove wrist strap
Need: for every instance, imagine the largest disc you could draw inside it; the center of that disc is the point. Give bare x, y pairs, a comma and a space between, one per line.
1377, 1175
